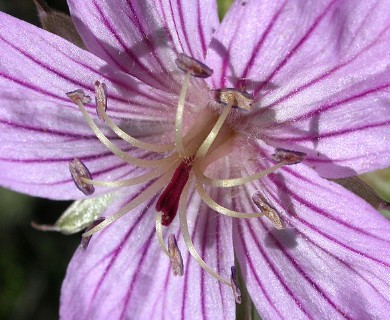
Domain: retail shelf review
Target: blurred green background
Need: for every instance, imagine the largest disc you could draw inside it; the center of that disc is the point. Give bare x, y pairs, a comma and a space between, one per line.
33, 263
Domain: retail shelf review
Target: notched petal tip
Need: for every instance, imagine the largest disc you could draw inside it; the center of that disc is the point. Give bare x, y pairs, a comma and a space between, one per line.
289, 157
239, 99
233, 283
175, 256
85, 240
79, 171
100, 99
260, 201
193, 66
78, 96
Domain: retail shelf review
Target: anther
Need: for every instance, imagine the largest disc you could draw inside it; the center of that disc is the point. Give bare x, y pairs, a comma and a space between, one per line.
239, 99
175, 256
78, 96
233, 283
193, 66
288, 156
100, 98
85, 240
260, 201
78, 171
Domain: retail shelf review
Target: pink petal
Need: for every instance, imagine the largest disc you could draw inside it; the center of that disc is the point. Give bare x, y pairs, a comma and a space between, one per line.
42, 130
191, 24
124, 272
330, 262
320, 73
44, 66
136, 36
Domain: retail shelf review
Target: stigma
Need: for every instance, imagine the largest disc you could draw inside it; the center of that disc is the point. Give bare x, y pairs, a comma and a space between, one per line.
182, 164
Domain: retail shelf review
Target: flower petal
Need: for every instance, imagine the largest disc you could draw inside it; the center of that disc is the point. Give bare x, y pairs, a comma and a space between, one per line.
124, 273
42, 130
42, 65
320, 71
136, 36
330, 262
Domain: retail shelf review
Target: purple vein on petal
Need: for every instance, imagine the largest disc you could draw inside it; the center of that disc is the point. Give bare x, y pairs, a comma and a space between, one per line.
137, 22
308, 237
115, 253
264, 36
315, 208
330, 134
340, 103
254, 270
131, 286
174, 23
183, 27
323, 213
201, 30
293, 262
110, 27
296, 48
326, 73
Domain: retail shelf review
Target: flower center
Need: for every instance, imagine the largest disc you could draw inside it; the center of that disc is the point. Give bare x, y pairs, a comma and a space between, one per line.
209, 139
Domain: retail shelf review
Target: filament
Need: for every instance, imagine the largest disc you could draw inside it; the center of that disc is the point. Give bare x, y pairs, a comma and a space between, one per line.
134, 141
187, 238
147, 194
124, 183
115, 150
159, 233
214, 131
179, 115
217, 207
229, 183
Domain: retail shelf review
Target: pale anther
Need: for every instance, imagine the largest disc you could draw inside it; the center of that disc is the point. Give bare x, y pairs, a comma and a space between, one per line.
239, 99
78, 171
233, 283
78, 96
193, 66
288, 156
260, 201
100, 98
85, 240
175, 256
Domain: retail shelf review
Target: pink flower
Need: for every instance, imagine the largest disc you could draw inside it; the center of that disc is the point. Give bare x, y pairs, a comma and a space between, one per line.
319, 72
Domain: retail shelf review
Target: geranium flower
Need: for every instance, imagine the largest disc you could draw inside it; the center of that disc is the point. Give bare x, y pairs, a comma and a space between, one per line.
318, 74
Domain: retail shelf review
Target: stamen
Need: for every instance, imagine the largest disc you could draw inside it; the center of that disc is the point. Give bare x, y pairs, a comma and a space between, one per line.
78, 97
214, 131
193, 66
179, 115
78, 171
217, 207
124, 183
239, 99
287, 156
175, 256
233, 284
101, 108
85, 240
141, 198
229, 183
159, 233
187, 237
260, 201
100, 98
168, 201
